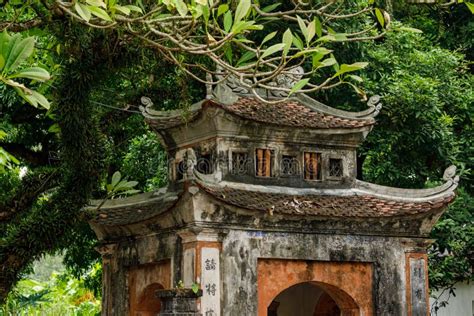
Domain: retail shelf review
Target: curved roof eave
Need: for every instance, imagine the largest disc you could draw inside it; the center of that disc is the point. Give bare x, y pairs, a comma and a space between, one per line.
349, 202
133, 209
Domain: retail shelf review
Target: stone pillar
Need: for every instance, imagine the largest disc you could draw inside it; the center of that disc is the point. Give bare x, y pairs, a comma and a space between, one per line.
201, 264
416, 271
179, 302
107, 252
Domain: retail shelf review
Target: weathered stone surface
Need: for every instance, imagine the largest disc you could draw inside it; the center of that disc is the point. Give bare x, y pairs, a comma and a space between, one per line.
179, 302
246, 238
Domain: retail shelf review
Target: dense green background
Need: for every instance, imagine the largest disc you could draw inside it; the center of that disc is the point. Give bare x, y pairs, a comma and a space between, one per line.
94, 129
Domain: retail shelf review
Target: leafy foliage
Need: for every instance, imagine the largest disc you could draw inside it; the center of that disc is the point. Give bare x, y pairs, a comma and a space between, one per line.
14, 50
60, 295
453, 254
93, 128
146, 162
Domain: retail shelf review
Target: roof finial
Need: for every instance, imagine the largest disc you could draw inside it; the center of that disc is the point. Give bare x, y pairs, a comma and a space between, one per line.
450, 174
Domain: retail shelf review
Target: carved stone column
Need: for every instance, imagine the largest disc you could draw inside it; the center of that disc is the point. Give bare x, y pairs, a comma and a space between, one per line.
179, 302
201, 264
107, 252
416, 271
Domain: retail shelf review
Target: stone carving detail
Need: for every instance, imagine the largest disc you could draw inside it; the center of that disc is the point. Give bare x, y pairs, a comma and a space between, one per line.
231, 86
450, 174
146, 101
210, 278
418, 288
374, 102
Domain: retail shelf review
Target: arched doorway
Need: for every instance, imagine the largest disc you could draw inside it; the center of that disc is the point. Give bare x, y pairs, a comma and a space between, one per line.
148, 303
347, 284
312, 299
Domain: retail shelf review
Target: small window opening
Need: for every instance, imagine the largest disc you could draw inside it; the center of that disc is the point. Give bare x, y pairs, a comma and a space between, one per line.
239, 163
335, 168
180, 170
289, 165
264, 162
204, 164
312, 166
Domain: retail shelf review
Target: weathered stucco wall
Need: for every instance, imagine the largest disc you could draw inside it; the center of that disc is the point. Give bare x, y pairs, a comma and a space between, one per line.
244, 240
242, 249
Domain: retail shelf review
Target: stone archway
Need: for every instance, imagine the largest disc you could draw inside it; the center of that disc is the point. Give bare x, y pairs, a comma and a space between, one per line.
348, 284
143, 281
148, 303
326, 306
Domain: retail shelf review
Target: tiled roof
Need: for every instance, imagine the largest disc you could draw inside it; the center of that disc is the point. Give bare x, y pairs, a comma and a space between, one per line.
291, 113
165, 122
362, 206
133, 209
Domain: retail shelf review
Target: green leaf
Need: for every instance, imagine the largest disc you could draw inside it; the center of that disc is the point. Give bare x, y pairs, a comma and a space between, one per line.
2, 62
83, 11
245, 25
316, 58
318, 27
4, 41
299, 85
20, 51
181, 7
54, 128
33, 97
36, 98
122, 9
269, 37
321, 50
298, 42
380, 18
327, 38
328, 62
3, 134
228, 53
227, 21
100, 13
242, 9
359, 91
34, 73
303, 27
206, 13
134, 8
340, 37
409, 29
97, 3
245, 57
223, 8
272, 50
116, 178
311, 31
287, 40
271, 7
349, 68
470, 6
195, 288
131, 184
355, 78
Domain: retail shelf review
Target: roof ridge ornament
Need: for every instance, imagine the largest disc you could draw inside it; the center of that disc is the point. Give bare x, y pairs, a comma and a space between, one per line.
230, 87
450, 174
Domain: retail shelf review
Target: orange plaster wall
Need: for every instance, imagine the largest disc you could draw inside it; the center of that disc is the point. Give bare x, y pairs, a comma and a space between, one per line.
144, 276
423, 256
353, 278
